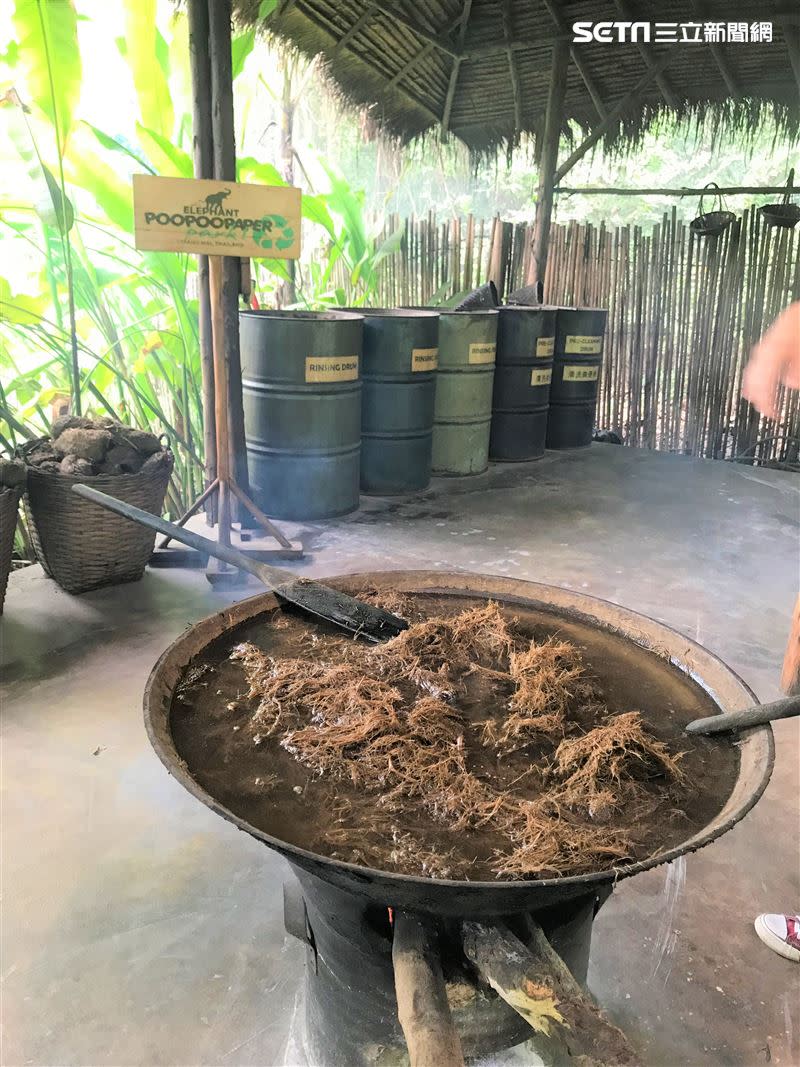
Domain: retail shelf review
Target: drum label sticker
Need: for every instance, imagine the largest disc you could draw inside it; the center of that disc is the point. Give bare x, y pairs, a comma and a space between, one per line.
424, 359
541, 377
581, 374
331, 368
578, 345
481, 352
545, 346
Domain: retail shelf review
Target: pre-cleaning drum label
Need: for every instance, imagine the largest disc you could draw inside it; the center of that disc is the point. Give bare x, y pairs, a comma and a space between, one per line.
331, 368
481, 352
424, 359
578, 345
581, 374
541, 377
545, 346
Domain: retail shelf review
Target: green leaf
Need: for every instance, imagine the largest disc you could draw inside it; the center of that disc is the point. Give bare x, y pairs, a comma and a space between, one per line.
47, 36
315, 210
241, 47
146, 57
265, 9
113, 145
63, 214
392, 244
98, 179
25, 310
167, 158
250, 169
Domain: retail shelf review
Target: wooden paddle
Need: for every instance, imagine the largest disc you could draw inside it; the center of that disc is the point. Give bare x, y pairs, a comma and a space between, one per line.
312, 598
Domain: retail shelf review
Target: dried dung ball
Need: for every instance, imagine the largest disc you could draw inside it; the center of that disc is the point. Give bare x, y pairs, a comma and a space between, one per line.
12, 473
122, 459
84, 443
70, 422
76, 467
146, 443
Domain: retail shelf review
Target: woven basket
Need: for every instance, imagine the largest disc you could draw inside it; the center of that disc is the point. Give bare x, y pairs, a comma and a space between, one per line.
83, 546
9, 501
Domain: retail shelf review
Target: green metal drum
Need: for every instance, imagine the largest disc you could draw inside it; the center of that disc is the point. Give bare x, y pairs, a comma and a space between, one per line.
463, 411
576, 376
525, 345
301, 391
400, 357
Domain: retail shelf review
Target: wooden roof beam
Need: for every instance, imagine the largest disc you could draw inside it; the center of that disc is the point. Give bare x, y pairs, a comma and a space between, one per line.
411, 97
432, 38
447, 110
614, 114
718, 54
792, 37
355, 29
425, 51
580, 63
663, 84
516, 90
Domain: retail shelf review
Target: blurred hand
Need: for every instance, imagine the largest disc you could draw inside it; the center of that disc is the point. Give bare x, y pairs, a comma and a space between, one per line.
775, 361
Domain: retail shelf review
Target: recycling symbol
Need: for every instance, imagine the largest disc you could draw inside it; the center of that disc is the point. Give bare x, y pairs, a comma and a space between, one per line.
275, 232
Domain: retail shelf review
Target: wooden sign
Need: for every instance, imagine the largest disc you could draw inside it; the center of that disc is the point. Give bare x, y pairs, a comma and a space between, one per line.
216, 218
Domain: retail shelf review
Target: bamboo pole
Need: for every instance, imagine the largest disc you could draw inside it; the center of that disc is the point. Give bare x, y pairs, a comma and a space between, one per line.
549, 160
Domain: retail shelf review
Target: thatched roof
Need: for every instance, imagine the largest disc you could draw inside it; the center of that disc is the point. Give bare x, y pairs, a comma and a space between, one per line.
422, 65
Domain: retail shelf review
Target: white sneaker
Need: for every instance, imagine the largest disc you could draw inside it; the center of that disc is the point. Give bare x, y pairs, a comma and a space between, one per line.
781, 933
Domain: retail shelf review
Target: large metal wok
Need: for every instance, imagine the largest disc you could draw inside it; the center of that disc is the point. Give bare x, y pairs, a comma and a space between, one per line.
477, 899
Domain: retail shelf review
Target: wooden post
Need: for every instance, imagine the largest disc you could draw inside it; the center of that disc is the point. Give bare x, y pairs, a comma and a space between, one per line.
221, 405
219, 25
548, 161
203, 168
422, 1006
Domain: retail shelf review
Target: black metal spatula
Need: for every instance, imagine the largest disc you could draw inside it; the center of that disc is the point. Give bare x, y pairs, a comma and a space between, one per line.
313, 598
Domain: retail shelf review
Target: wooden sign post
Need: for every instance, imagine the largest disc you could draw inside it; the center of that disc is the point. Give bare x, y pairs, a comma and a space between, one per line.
217, 219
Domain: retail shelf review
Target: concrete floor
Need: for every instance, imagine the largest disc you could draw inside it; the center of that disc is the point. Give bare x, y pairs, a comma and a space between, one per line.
140, 929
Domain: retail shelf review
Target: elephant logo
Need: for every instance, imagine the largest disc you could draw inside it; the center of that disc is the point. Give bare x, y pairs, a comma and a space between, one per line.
214, 200
276, 233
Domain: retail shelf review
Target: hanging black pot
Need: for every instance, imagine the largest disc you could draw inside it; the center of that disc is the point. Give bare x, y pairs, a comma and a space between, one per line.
785, 214
712, 223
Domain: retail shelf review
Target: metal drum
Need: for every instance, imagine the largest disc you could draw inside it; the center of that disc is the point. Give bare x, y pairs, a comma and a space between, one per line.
302, 411
463, 411
525, 346
400, 357
576, 374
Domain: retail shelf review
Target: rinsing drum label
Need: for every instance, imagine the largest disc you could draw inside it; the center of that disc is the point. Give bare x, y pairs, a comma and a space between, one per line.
424, 358
581, 374
480, 352
541, 377
331, 368
577, 345
545, 346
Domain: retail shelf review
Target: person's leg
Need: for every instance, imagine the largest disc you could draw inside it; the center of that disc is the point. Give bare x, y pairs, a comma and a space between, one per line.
781, 933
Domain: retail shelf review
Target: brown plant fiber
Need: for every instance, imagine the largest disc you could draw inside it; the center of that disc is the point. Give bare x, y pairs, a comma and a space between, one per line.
388, 721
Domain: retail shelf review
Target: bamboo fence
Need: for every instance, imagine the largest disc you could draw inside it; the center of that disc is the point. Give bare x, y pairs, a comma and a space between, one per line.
684, 312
